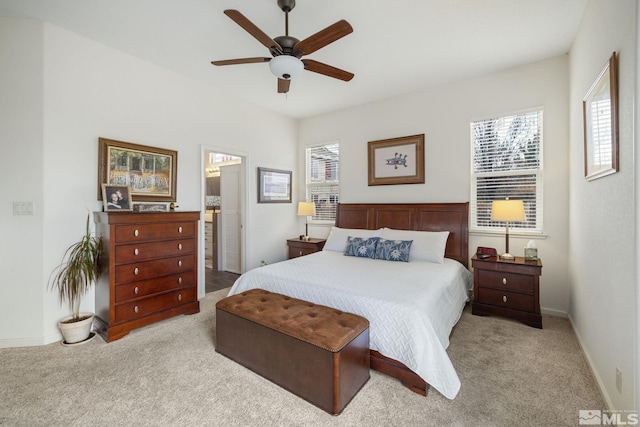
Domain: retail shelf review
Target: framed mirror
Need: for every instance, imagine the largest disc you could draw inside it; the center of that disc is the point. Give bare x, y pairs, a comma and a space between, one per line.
600, 119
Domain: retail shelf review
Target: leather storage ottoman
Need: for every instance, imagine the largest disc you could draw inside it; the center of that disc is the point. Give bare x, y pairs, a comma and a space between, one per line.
318, 353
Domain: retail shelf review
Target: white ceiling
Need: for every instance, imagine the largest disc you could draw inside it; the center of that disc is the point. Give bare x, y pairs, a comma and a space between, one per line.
398, 46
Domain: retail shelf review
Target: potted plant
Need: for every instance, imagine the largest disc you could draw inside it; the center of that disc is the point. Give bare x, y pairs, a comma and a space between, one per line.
79, 270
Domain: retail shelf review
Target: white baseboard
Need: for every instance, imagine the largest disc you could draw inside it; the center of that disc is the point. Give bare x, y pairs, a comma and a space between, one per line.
599, 382
553, 312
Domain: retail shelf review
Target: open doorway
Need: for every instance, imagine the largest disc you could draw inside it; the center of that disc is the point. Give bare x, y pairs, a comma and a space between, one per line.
224, 189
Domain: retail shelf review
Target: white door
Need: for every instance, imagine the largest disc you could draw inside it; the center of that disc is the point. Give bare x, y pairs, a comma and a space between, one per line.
231, 220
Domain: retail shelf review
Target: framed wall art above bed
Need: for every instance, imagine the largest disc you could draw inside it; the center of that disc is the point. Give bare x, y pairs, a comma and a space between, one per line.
396, 160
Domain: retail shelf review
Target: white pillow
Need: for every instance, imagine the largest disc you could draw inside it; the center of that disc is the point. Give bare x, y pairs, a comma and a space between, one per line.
337, 240
427, 245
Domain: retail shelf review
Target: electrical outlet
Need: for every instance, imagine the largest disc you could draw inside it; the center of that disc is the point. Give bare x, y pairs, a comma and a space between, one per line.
618, 380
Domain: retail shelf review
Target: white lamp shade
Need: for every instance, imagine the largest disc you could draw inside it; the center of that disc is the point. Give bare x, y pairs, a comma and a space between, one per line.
507, 210
286, 66
306, 208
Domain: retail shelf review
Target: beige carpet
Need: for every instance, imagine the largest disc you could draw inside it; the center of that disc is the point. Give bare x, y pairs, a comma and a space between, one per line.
169, 374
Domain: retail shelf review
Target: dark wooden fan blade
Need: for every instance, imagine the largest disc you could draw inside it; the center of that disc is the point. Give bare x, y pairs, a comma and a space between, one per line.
252, 29
324, 37
283, 85
327, 70
240, 61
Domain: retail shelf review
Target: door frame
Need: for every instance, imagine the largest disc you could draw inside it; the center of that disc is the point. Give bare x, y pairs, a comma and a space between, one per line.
244, 218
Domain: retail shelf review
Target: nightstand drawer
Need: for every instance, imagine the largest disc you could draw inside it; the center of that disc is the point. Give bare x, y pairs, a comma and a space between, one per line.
505, 299
299, 248
506, 281
296, 252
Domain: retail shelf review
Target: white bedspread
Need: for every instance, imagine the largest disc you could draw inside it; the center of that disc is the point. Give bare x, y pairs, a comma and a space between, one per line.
411, 307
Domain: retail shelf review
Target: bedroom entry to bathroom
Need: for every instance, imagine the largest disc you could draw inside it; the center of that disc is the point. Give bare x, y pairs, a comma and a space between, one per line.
223, 219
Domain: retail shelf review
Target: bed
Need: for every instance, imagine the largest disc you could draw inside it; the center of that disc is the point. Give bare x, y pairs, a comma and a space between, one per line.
411, 306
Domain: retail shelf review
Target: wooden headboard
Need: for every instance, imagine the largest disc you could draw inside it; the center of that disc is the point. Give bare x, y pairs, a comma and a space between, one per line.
451, 217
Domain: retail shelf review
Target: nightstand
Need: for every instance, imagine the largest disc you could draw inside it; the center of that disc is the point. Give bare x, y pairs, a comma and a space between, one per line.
507, 288
299, 247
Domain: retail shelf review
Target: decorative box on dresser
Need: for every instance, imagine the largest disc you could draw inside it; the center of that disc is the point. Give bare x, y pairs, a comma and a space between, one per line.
507, 288
150, 267
299, 247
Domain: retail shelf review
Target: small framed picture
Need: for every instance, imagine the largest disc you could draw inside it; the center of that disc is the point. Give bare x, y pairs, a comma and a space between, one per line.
274, 186
116, 198
150, 207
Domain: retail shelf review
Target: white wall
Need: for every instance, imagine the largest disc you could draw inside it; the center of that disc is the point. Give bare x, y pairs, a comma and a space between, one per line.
602, 215
21, 175
443, 115
66, 92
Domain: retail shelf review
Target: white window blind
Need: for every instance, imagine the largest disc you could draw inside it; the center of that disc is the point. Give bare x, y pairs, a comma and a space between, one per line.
323, 180
507, 162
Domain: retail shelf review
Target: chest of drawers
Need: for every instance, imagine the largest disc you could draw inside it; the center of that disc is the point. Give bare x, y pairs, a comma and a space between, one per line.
150, 265
507, 288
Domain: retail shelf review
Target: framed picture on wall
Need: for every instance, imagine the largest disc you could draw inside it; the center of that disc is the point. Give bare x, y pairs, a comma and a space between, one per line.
150, 172
274, 186
600, 119
396, 160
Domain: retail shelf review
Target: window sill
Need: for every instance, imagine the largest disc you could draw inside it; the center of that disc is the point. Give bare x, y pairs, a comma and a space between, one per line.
535, 235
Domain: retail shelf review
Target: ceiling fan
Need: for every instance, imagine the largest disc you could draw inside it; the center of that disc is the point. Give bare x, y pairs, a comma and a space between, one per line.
286, 51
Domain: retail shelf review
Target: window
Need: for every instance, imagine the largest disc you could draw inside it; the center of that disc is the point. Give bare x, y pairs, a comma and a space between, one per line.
507, 162
322, 180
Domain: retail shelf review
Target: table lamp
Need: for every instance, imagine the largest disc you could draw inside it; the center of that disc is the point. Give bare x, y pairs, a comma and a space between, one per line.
306, 209
507, 210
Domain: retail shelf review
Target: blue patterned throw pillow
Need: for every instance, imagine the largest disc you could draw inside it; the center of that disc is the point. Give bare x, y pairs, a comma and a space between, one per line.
393, 250
360, 247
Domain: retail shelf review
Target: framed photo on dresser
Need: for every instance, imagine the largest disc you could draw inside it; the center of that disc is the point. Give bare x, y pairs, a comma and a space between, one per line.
116, 198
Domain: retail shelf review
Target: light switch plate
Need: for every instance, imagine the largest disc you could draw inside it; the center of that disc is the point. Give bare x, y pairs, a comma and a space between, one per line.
23, 208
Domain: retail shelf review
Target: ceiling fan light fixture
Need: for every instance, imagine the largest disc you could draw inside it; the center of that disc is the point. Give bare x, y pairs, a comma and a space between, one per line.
286, 66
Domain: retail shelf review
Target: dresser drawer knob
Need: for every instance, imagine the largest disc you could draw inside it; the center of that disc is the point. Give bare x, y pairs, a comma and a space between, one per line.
135, 309
180, 263
136, 252
136, 290
179, 297
504, 298
179, 279
504, 280
136, 271
179, 229
136, 232
179, 246
300, 253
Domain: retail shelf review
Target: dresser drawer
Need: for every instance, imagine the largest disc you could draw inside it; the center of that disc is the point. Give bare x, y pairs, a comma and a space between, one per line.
155, 268
144, 251
143, 288
506, 299
506, 281
143, 307
155, 231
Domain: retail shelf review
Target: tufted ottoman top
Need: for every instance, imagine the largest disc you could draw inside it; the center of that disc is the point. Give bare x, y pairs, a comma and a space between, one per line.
319, 325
